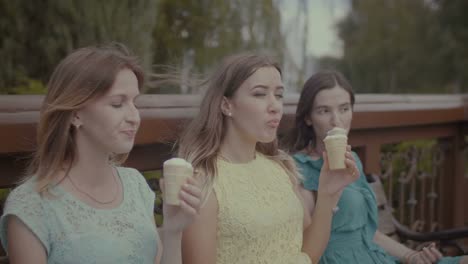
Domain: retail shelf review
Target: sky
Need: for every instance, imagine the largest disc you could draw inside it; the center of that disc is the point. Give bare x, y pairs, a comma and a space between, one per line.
322, 39
323, 14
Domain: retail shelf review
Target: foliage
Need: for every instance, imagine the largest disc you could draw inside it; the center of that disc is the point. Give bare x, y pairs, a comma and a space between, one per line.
401, 46
149, 175
37, 34
193, 36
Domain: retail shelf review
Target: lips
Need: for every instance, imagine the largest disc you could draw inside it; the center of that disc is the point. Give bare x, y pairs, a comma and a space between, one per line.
274, 123
129, 133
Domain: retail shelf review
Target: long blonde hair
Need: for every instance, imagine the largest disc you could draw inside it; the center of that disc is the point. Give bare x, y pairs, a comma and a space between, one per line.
201, 140
84, 75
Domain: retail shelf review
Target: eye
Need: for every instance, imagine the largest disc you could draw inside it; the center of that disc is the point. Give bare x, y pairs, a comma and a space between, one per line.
279, 96
345, 109
116, 105
322, 111
259, 94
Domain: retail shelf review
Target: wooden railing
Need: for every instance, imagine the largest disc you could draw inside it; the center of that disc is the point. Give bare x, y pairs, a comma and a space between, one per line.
379, 120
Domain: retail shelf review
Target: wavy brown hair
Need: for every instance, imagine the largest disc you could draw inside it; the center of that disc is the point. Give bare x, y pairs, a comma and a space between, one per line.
85, 74
303, 135
201, 141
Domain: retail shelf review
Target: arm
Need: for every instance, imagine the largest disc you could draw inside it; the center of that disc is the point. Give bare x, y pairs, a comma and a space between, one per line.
172, 246
391, 246
331, 185
199, 239
427, 255
316, 235
178, 218
23, 245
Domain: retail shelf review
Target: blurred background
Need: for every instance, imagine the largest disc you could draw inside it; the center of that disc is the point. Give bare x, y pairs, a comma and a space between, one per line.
406, 59
382, 46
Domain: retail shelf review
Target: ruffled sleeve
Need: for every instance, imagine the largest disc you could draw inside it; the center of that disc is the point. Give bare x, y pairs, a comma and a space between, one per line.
310, 171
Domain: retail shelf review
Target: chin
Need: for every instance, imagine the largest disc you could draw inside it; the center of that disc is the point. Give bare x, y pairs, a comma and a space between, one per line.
267, 139
122, 149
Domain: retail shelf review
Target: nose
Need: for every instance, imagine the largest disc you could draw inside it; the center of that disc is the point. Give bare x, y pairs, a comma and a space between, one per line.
133, 115
336, 119
275, 105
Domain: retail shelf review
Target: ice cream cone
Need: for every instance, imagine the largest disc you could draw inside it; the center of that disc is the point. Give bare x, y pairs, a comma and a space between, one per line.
335, 144
176, 171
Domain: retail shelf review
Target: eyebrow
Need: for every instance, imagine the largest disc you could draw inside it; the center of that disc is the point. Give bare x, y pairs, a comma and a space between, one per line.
324, 106
123, 96
266, 87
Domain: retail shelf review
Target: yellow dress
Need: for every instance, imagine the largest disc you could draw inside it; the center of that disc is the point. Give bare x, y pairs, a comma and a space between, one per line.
260, 218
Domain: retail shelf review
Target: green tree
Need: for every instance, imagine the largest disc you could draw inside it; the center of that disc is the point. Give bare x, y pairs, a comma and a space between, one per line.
394, 46
195, 35
455, 25
37, 34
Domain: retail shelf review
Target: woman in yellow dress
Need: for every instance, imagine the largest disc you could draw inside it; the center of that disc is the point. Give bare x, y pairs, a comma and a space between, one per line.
253, 204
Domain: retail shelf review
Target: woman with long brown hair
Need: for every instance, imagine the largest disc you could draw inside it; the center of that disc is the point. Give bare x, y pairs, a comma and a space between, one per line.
76, 204
327, 101
253, 210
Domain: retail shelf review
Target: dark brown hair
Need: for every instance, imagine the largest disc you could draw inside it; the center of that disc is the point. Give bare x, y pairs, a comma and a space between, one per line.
301, 135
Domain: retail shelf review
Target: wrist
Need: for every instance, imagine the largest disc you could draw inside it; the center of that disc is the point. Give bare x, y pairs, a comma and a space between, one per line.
409, 255
329, 198
170, 231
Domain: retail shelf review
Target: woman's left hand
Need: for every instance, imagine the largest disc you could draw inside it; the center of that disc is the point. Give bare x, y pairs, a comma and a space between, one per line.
177, 218
426, 255
334, 181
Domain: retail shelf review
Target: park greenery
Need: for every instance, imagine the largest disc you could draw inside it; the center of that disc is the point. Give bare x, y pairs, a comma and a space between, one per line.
395, 46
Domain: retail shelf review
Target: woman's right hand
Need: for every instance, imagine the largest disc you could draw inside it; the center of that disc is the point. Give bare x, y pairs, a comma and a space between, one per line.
178, 218
332, 182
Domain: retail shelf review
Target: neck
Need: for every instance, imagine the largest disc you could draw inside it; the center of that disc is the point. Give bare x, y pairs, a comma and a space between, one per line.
237, 149
316, 150
91, 167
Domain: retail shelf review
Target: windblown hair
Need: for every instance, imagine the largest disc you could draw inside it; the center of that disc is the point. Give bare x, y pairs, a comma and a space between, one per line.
303, 135
84, 75
201, 141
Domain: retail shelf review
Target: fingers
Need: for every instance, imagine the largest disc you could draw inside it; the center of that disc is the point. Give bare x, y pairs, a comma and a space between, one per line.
435, 252
188, 208
351, 165
428, 256
325, 161
190, 196
161, 184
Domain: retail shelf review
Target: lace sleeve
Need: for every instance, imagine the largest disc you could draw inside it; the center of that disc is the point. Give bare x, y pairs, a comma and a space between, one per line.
145, 191
26, 204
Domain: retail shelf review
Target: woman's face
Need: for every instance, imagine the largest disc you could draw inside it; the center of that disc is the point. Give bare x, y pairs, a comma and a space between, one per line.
256, 108
330, 108
110, 122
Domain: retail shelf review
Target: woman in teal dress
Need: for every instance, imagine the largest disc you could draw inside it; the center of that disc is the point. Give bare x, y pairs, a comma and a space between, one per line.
77, 205
327, 101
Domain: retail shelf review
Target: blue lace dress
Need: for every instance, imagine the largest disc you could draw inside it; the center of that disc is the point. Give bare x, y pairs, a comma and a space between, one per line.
355, 224
74, 232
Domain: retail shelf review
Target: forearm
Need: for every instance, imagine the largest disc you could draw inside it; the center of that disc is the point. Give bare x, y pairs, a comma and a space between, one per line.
172, 242
316, 236
391, 246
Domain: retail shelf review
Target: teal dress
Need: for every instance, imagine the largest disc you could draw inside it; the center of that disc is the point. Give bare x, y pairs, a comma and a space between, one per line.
355, 223
74, 232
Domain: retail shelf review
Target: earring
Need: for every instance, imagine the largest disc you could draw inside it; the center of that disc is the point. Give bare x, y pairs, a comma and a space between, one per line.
77, 126
229, 114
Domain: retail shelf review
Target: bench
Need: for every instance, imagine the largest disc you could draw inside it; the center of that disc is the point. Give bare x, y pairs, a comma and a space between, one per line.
446, 240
